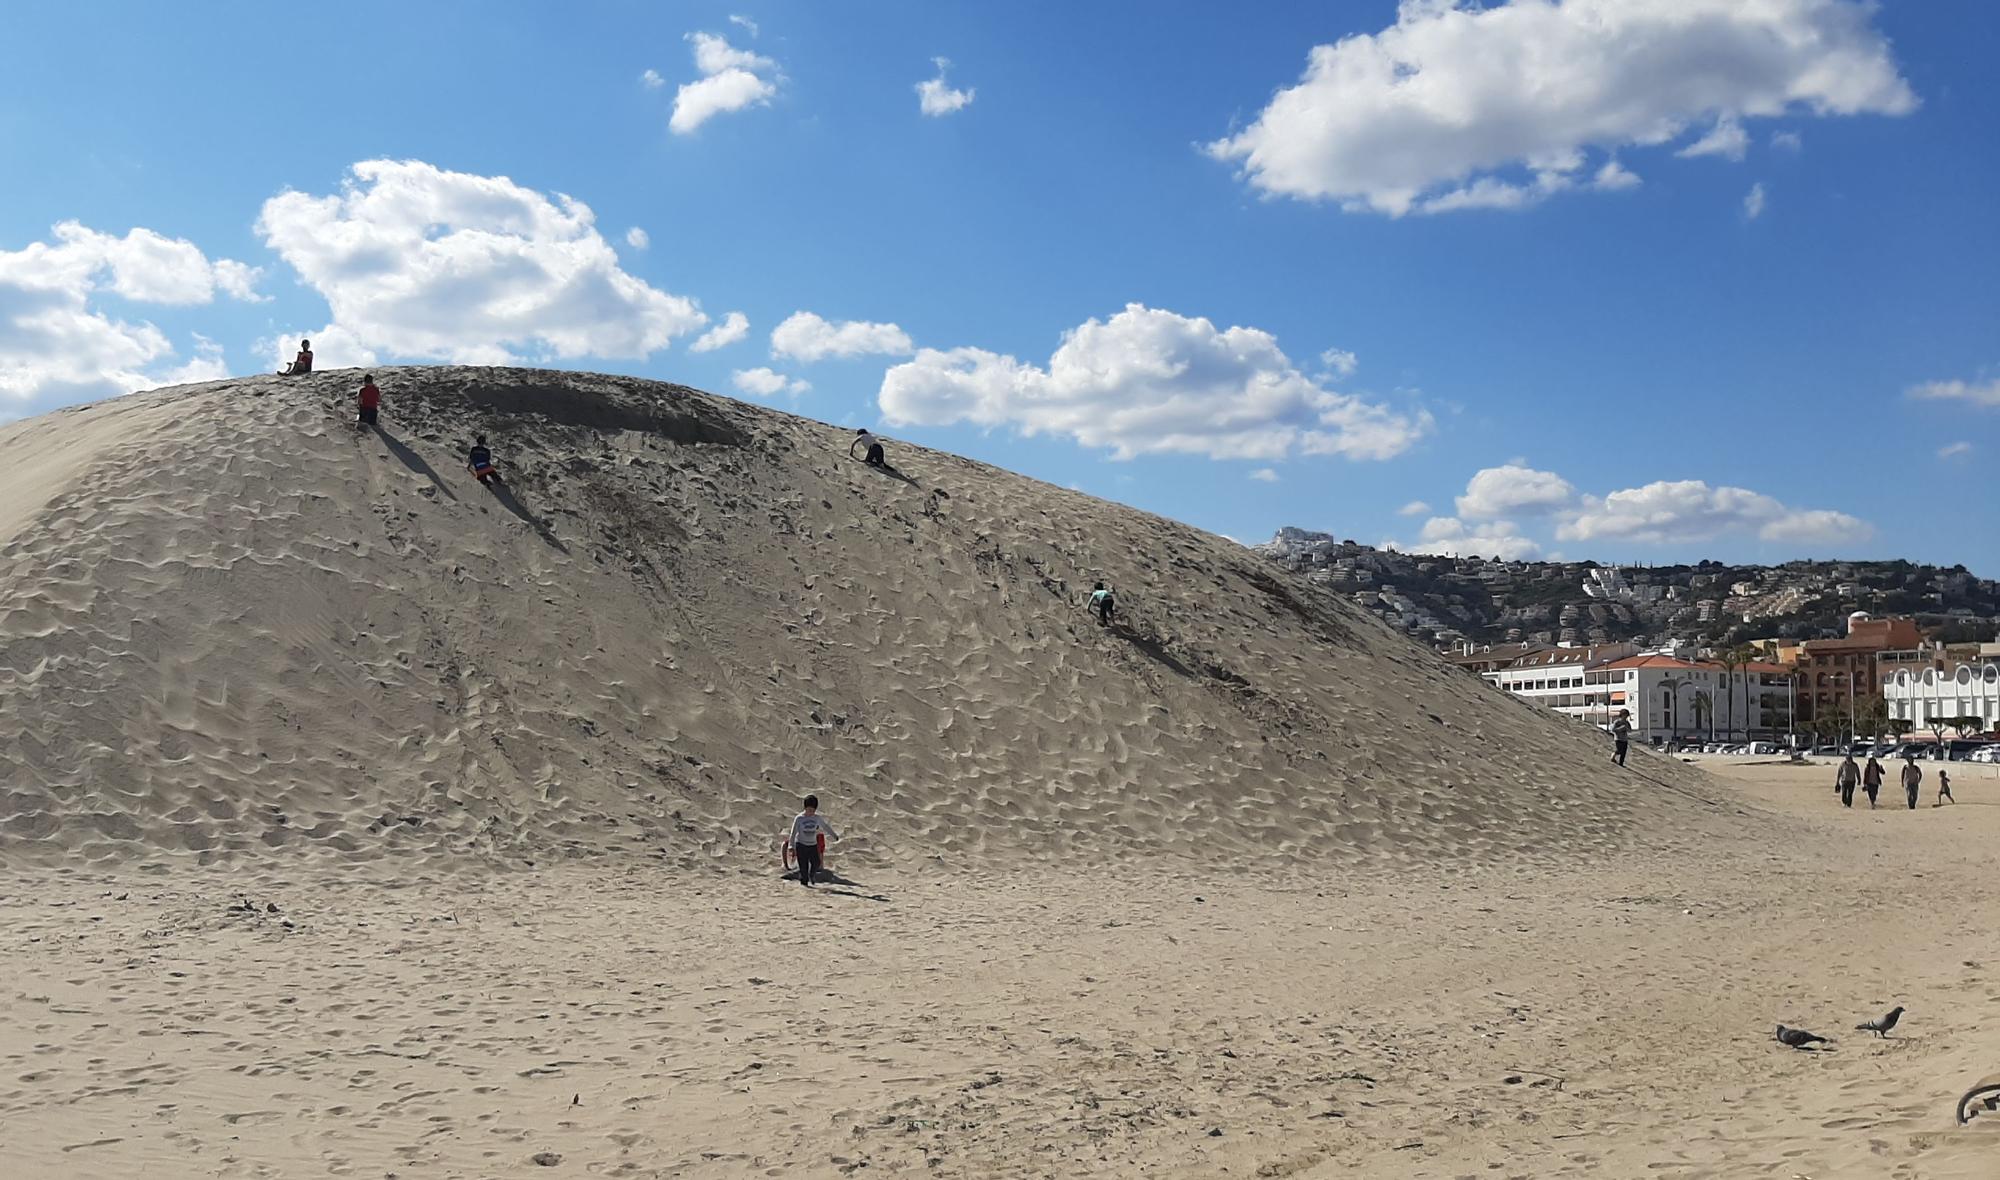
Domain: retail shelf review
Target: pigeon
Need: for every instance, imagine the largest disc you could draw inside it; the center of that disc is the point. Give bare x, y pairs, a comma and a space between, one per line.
1798, 1038
1881, 1027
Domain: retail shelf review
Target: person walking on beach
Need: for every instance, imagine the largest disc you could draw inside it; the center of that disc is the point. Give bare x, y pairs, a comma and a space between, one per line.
869, 445
1913, 780
807, 828
1621, 734
1871, 780
1846, 779
1944, 789
304, 363
1104, 603
371, 402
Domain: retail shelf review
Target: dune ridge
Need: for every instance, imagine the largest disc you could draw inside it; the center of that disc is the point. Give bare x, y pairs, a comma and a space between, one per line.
231, 624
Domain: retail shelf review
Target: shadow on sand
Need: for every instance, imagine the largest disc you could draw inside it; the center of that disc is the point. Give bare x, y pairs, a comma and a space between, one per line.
412, 460
891, 472
505, 496
828, 878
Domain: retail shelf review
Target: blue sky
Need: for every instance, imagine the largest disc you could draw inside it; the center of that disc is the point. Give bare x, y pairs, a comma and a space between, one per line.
1638, 280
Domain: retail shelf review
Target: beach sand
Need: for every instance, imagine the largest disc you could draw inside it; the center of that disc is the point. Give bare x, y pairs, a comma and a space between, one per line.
359, 820
1614, 1020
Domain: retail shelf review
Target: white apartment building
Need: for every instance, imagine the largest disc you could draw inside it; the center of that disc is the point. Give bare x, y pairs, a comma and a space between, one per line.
1593, 683
1968, 690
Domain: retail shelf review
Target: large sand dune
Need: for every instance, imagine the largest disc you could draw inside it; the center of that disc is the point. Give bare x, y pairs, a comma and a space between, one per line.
230, 623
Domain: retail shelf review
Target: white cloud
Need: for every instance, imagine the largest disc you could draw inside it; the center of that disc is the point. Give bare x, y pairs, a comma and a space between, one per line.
1339, 363
1674, 512
1978, 393
1148, 381
1789, 141
1615, 177
734, 326
937, 99
638, 238
806, 337
1446, 535
1726, 139
1753, 202
764, 382
731, 80
334, 347
58, 345
423, 263
1414, 508
1513, 489
651, 80
1264, 475
1957, 450
1437, 110
745, 23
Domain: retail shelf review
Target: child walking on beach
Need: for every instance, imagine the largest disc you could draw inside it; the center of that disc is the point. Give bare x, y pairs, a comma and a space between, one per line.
807, 828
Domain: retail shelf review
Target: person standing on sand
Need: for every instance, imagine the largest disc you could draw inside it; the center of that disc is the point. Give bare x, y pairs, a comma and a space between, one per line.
870, 446
1845, 780
1871, 780
1944, 789
807, 827
1913, 780
371, 402
1621, 733
304, 363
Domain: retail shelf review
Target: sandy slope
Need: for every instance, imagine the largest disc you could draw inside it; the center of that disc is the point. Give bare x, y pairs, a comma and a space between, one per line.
228, 624
1605, 1021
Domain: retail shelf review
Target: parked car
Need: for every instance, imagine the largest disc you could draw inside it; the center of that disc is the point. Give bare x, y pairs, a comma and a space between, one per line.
1763, 747
1986, 753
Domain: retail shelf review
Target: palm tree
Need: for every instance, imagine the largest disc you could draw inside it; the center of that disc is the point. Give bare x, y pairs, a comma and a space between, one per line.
1731, 660
1703, 711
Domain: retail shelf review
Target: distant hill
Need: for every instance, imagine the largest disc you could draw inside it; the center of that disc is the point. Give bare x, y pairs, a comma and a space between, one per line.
231, 625
1442, 600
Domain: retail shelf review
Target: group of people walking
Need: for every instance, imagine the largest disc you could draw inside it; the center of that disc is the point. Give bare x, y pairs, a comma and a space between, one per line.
1869, 778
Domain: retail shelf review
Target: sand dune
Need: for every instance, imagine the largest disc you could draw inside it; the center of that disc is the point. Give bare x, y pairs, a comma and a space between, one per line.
358, 820
231, 624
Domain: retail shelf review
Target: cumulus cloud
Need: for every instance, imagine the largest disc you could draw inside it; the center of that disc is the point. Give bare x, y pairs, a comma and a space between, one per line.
731, 79
1414, 508
1265, 475
936, 98
1447, 536
807, 337
1466, 105
1339, 363
1513, 490
651, 80
1753, 202
638, 238
764, 382
1957, 450
1977, 393
1788, 141
59, 345
734, 326
1146, 381
1615, 177
419, 262
1726, 139
744, 23
1673, 512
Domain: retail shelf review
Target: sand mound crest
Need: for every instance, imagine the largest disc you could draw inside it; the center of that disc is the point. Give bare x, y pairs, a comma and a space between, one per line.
232, 624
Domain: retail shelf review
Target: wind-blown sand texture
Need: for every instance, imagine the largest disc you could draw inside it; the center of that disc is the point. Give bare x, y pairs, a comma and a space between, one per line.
233, 624
355, 821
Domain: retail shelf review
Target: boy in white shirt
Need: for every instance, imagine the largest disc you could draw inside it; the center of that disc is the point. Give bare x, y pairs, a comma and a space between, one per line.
807, 829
